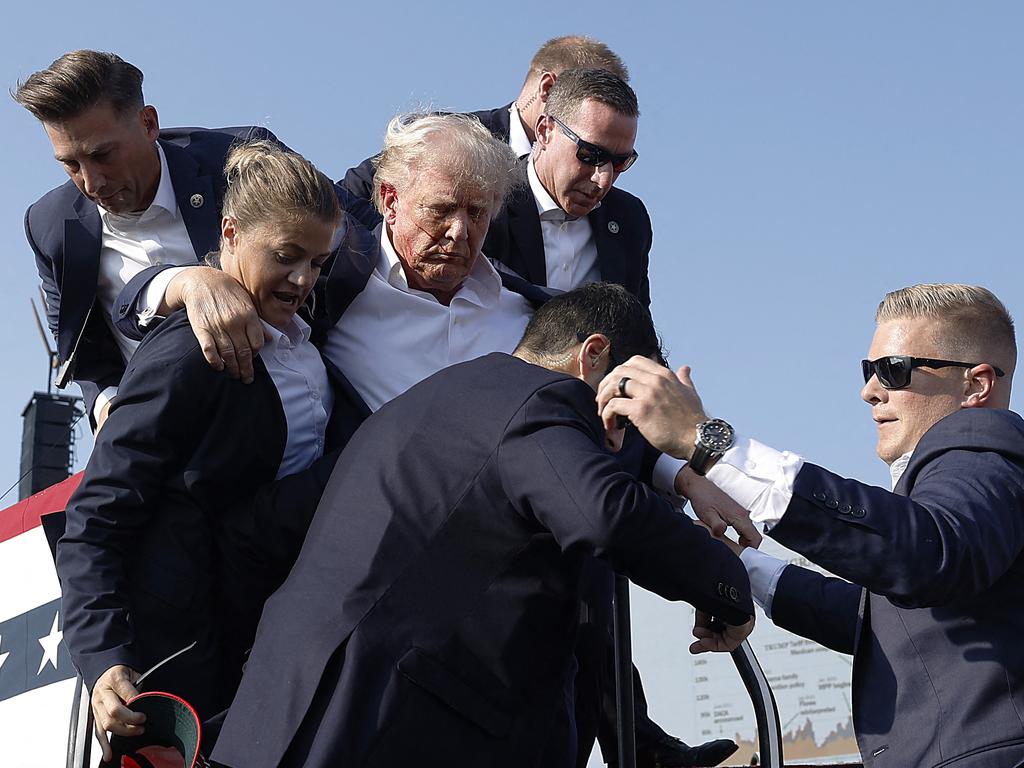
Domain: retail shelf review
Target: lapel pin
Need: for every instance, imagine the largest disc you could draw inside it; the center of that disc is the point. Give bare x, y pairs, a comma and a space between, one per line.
613, 227
196, 200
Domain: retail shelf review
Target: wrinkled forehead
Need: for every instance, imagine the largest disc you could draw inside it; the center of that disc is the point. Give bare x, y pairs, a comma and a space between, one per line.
441, 185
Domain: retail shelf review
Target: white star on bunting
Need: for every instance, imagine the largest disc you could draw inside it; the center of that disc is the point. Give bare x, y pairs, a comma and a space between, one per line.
3, 656
50, 644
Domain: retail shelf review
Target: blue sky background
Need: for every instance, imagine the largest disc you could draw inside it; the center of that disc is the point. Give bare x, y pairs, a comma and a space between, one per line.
798, 159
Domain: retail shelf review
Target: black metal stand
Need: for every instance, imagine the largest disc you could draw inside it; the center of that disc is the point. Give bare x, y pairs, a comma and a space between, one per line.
624, 724
80, 728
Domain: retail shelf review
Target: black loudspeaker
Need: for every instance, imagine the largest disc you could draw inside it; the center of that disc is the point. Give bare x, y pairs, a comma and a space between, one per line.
47, 441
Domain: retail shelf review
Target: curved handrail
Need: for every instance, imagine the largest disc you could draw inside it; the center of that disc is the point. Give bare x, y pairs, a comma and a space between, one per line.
769, 727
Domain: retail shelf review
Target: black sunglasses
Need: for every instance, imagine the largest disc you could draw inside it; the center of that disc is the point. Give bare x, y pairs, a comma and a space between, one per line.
894, 371
594, 154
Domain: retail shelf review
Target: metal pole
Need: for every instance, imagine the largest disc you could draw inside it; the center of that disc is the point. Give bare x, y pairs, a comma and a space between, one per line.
80, 728
769, 728
624, 712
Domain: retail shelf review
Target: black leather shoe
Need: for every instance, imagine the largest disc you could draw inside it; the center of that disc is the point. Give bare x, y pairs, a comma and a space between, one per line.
671, 752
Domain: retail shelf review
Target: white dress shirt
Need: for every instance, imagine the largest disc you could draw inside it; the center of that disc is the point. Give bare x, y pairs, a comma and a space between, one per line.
393, 336
298, 372
570, 253
131, 242
517, 138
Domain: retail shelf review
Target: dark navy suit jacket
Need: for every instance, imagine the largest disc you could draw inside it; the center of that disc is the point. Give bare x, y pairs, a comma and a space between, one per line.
936, 619
145, 561
431, 616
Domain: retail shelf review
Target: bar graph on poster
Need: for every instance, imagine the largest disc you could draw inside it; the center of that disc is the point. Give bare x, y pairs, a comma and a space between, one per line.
811, 685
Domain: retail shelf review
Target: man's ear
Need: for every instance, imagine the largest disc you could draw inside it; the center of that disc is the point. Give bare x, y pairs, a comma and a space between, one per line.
229, 232
150, 121
592, 358
978, 384
545, 125
547, 79
389, 202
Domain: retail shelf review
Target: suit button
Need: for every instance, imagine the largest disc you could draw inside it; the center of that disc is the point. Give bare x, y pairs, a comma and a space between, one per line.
818, 495
832, 504
734, 594
844, 509
721, 589
859, 512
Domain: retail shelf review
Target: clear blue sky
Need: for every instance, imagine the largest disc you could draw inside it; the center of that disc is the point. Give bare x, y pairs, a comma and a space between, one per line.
798, 159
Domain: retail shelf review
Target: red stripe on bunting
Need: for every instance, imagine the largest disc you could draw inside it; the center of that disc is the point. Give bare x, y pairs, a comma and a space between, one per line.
24, 516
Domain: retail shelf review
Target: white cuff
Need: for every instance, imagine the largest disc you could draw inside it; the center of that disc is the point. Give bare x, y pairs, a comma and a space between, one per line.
663, 478
764, 572
758, 478
102, 399
147, 307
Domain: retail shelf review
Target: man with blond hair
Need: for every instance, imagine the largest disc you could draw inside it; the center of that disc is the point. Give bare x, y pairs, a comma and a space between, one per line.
931, 611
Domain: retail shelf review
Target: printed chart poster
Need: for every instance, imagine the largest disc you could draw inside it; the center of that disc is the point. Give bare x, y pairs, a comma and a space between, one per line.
699, 698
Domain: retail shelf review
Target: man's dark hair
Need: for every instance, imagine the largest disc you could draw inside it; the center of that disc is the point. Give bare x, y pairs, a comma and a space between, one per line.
79, 80
574, 86
605, 308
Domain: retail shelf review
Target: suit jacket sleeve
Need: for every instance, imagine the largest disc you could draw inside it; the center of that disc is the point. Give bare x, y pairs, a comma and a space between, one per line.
822, 608
93, 373
555, 471
154, 426
125, 314
44, 266
357, 189
956, 535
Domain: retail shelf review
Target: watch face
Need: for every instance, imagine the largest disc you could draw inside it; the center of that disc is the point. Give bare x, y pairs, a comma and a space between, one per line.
715, 435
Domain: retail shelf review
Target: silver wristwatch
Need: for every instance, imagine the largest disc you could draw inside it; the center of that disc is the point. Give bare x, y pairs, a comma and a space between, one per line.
714, 437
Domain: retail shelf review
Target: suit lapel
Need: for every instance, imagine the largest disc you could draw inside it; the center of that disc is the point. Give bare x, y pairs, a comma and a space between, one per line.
195, 194
82, 242
525, 238
354, 261
610, 243
533, 293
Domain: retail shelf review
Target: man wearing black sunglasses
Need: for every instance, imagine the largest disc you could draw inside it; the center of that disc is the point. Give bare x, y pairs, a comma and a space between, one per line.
516, 123
566, 224
930, 607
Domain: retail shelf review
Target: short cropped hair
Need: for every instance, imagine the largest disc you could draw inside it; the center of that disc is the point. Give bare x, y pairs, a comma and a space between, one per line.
267, 184
575, 52
606, 308
574, 86
79, 80
458, 144
970, 321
